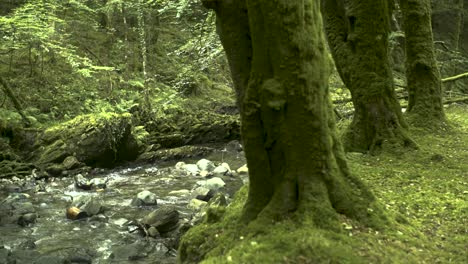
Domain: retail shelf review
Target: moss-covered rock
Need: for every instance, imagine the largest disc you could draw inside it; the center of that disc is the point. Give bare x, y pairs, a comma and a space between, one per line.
184, 127
96, 140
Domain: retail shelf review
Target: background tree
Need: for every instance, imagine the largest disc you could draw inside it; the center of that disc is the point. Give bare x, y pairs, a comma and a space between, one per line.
280, 70
423, 79
360, 50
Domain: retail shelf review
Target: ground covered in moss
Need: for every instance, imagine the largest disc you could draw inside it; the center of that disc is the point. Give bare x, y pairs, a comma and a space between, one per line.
424, 191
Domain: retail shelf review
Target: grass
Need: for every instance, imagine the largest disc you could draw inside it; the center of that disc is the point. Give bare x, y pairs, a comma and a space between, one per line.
425, 191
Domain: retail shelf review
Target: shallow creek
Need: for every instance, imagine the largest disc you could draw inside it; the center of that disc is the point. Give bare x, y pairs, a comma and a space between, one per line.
105, 238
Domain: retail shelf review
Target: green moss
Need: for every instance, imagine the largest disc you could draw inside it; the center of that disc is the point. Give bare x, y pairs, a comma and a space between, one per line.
424, 190
95, 139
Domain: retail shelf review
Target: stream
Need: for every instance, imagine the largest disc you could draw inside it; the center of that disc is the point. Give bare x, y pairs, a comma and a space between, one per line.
111, 236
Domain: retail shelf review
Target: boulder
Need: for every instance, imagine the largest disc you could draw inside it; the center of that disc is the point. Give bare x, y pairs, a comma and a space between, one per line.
145, 198
164, 219
205, 165
96, 140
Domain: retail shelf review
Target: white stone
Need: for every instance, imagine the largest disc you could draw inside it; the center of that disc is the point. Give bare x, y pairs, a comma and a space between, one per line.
243, 170
225, 165
147, 197
205, 165
214, 183
179, 192
180, 165
220, 170
191, 168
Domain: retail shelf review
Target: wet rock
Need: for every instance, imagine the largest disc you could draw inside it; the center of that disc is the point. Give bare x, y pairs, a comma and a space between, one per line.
27, 219
233, 146
153, 232
203, 193
175, 153
205, 174
145, 198
218, 200
81, 182
98, 183
214, 183
164, 219
182, 192
243, 170
87, 206
27, 244
205, 165
180, 165
15, 207
196, 205
191, 169
71, 162
220, 170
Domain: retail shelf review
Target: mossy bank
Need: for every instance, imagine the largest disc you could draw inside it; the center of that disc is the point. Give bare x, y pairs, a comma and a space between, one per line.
423, 190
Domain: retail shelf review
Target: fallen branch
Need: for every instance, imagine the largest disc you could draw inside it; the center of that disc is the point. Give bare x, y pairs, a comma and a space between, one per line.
456, 77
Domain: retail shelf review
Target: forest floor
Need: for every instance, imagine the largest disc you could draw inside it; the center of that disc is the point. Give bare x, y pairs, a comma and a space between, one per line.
424, 191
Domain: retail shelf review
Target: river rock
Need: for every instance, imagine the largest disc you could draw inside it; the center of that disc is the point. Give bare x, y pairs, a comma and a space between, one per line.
221, 170
205, 165
233, 146
88, 205
213, 184
243, 170
145, 198
98, 183
203, 193
180, 165
17, 209
71, 162
164, 219
27, 219
81, 182
196, 205
191, 168
218, 200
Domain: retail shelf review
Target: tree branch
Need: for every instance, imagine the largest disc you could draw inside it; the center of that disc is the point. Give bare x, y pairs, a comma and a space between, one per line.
456, 77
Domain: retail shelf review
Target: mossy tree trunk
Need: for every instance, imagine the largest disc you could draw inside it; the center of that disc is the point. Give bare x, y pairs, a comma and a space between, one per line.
425, 107
279, 65
357, 32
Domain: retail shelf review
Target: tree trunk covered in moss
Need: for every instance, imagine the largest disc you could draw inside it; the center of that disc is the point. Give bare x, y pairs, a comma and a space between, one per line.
357, 32
424, 86
280, 68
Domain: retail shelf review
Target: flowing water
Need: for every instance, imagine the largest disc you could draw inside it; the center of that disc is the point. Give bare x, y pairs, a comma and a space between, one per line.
106, 238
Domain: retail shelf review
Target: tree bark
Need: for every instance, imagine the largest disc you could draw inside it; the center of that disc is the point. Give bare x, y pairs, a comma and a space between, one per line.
425, 107
280, 69
357, 32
